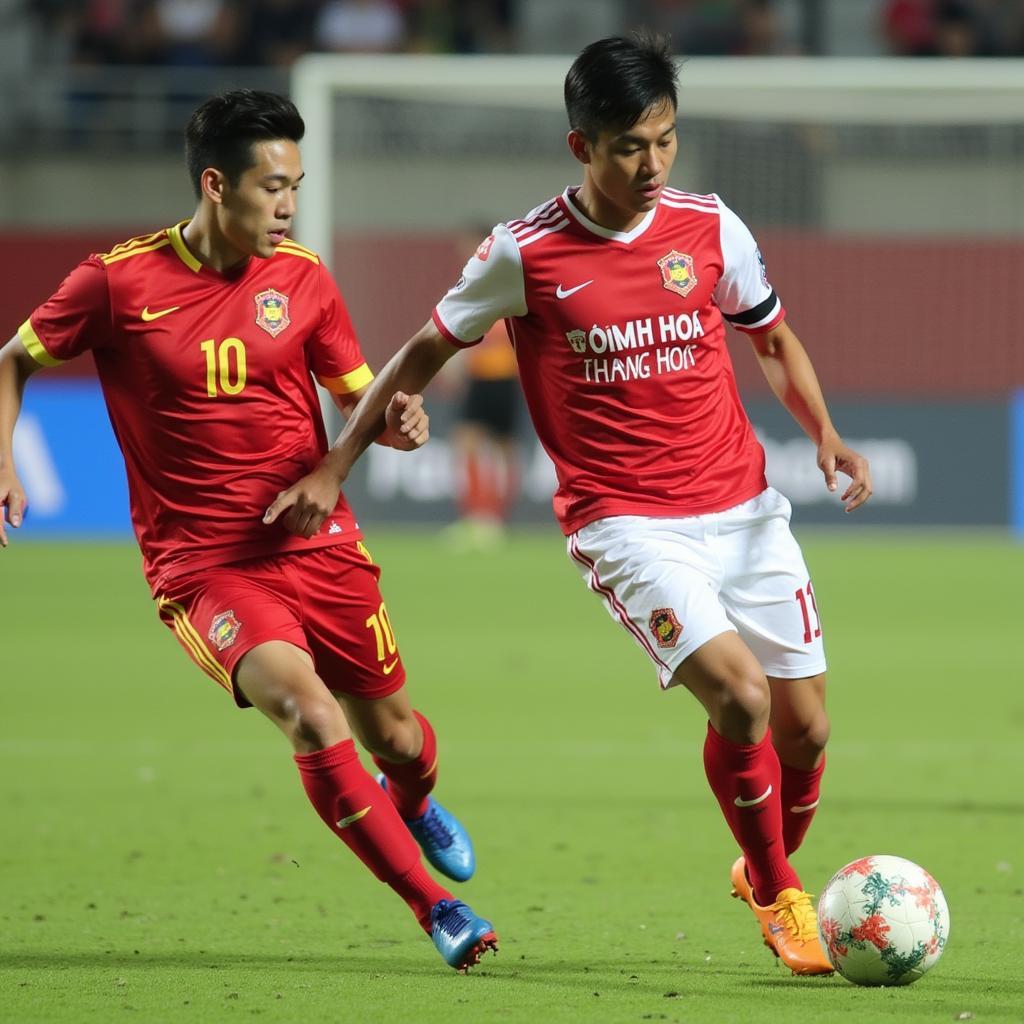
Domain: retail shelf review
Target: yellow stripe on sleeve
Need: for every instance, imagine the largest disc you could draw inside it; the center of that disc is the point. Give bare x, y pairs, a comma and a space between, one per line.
347, 382
194, 644
34, 346
133, 243
137, 251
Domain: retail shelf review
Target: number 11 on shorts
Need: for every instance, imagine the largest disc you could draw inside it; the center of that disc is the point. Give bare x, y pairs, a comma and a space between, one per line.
803, 595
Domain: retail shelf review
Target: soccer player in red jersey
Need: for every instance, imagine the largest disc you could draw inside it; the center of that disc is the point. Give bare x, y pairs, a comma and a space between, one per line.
206, 337
615, 294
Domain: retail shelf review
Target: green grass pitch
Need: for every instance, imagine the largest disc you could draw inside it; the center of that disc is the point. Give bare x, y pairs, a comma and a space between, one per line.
160, 863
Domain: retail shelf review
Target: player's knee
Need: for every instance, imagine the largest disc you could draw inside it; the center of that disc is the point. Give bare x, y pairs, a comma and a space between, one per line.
314, 722
744, 707
811, 734
397, 740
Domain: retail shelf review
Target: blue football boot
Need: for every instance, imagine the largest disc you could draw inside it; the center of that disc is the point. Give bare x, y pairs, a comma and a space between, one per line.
459, 935
442, 838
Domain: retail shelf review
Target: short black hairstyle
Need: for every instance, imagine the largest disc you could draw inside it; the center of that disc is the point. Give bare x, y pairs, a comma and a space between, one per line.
614, 81
221, 132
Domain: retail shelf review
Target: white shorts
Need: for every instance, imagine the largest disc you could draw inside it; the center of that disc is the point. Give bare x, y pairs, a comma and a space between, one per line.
675, 583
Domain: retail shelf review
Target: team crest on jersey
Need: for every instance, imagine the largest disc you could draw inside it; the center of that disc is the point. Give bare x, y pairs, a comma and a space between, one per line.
677, 273
483, 250
272, 312
665, 627
577, 339
223, 629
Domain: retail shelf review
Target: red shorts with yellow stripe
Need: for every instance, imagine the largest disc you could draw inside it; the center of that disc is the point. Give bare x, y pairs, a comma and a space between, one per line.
326, 602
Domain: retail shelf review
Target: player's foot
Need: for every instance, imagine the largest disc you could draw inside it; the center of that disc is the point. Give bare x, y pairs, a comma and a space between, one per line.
459, 935
443, 839
789, 925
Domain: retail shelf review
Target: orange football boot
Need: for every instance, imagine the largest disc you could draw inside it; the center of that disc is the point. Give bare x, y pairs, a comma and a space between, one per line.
789, 925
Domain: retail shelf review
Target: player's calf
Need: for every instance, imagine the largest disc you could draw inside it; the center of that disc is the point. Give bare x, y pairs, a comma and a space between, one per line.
442, 838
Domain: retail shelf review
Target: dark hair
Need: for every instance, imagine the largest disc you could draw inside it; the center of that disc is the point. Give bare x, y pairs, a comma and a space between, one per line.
220, 132
614, 81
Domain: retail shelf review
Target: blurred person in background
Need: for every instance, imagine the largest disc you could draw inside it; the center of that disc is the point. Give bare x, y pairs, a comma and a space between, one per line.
484, 438
360, 26
275, 33
190, 33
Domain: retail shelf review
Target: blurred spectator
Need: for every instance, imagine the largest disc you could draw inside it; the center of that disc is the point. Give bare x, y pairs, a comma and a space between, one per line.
759, 32
359, 26
960, 30
909, 28
947, 28
459, 26
189, 33
276, 32
102, 31
722, 27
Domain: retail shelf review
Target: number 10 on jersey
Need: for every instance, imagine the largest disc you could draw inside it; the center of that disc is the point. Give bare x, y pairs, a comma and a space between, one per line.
225, 366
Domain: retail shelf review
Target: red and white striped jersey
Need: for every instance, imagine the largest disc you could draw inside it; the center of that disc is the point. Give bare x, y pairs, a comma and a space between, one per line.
622, 354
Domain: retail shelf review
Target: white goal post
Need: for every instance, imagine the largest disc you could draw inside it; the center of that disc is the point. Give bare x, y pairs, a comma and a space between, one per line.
830, 91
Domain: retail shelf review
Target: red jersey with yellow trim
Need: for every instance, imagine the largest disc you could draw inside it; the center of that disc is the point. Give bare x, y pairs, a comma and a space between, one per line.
620, 341
207, 380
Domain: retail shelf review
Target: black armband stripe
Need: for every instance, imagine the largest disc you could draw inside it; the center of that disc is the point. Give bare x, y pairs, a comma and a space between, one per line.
755, 315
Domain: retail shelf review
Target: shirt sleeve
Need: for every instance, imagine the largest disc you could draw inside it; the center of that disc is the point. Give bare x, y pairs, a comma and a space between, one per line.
743, 293
335, 357
491, 288
73, 320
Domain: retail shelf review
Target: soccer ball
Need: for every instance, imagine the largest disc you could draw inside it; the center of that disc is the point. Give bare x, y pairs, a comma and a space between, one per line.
883, 921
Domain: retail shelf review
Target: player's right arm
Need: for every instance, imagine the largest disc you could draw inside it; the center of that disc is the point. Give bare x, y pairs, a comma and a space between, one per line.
308, 501
16, 366
490, 289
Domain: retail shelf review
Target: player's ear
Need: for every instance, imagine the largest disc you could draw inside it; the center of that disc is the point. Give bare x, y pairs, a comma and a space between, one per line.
212, 184
579, 146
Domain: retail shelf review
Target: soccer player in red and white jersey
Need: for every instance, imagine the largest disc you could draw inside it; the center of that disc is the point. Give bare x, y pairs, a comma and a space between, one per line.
616, 294
206, 337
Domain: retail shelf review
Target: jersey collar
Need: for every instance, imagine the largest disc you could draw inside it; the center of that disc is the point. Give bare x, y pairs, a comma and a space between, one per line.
181, 249
596, 229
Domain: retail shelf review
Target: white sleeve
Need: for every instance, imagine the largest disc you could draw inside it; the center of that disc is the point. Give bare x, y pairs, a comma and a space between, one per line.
743, 293
490, 289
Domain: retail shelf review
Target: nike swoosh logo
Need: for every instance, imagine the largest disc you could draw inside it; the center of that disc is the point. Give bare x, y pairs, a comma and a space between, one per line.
353, 818
564, 293
147, 316
740, 802
389, 668
803, 808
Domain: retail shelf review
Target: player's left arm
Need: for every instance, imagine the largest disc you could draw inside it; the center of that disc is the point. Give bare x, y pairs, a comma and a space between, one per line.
789, 371
407, 425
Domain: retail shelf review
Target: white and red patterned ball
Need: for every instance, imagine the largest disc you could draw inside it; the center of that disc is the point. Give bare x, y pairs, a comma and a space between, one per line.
883, 921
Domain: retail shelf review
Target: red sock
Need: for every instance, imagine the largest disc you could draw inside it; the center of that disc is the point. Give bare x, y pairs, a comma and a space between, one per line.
800, 789
411, 782
751, 774
342, 792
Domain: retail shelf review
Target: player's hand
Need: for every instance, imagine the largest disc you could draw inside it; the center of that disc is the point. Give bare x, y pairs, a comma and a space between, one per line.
833, 457
408, 422
305, 505
12, 502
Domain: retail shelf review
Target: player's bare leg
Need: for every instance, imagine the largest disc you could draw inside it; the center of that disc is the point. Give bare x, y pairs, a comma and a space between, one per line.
746, 777
279, 679
404, 748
